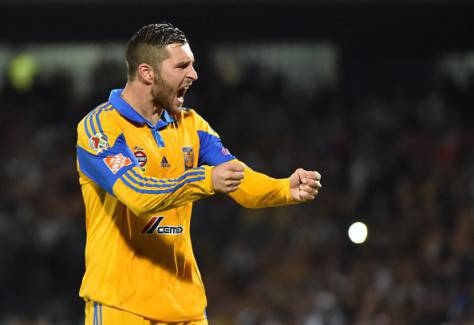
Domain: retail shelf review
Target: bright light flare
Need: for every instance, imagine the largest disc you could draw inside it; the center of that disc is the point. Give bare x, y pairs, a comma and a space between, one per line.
358, 232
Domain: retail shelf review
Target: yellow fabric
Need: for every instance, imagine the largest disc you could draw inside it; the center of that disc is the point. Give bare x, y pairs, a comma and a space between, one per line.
261, 191
153, 275
99, 314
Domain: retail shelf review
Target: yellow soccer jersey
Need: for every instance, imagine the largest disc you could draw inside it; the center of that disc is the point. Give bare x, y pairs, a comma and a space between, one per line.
138, 182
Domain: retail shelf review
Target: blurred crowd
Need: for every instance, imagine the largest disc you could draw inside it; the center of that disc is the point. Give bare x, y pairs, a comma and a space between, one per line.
398, 156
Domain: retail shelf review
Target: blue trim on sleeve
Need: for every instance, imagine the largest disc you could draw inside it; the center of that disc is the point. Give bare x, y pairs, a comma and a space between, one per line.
158, 180
104, 108
94, 167
211, 151
169, 190
88, 120
91, 122
161, 183
86, 128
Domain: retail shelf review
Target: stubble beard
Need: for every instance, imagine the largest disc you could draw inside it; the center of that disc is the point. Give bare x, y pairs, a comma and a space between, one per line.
164, 95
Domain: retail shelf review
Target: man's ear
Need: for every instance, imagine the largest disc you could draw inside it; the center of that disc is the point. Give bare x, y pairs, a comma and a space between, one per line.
146, 73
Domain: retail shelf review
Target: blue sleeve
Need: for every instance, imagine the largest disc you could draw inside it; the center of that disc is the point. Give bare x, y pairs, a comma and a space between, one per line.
211, 151
106, 167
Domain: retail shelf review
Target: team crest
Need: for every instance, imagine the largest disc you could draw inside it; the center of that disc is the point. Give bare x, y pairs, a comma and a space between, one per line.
188, 157
99, 142
117, 162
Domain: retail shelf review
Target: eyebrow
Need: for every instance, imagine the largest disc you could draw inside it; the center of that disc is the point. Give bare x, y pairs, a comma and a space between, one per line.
188, 61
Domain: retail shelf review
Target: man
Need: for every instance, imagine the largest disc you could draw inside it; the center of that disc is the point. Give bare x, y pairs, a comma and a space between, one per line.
142, 160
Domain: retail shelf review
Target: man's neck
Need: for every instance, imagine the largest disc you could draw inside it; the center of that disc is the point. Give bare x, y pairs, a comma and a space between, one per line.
140, 99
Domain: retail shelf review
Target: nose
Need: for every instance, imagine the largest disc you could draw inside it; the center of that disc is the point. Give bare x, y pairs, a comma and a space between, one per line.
192, 74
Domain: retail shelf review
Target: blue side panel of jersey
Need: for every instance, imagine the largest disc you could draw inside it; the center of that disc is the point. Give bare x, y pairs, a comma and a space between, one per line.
211, 151
94, 166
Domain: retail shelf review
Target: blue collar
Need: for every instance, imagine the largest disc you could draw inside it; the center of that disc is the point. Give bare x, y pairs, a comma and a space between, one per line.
128, 112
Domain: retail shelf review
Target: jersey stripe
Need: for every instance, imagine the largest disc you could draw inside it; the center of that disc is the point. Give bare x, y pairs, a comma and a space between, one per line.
97, 120
169, 190
94, 114
95, 314
162, 185
91, 123
85, 124
194, 171
88, 120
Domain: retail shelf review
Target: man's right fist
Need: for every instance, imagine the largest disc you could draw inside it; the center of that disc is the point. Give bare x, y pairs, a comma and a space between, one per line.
226, 177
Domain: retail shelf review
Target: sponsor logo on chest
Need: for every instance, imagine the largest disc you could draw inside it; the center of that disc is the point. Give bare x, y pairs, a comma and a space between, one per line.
141, 158
153, 226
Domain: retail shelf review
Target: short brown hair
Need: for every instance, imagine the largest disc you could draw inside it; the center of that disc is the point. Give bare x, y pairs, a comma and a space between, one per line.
148, 44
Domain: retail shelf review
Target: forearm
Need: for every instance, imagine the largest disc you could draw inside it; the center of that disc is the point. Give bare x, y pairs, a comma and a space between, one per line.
258, 190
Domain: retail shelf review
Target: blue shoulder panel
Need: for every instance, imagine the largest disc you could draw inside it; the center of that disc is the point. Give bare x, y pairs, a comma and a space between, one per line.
211, 151
106, 167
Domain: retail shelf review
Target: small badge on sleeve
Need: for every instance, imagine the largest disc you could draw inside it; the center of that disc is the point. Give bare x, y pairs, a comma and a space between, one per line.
117, 162
225, 151
99, 142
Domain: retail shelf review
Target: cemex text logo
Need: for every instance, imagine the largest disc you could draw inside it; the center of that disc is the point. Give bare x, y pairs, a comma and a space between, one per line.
153, 225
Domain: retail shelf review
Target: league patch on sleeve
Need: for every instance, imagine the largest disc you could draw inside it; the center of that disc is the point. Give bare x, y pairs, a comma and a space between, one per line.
117, 162
99, 142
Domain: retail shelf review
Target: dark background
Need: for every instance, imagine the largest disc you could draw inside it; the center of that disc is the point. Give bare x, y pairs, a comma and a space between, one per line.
393, 139
424, 26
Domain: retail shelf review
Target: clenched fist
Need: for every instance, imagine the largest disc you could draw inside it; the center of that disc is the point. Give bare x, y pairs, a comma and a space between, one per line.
226, 177
305, 185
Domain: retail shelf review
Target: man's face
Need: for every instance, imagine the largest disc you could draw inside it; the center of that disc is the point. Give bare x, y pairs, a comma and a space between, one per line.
175, 76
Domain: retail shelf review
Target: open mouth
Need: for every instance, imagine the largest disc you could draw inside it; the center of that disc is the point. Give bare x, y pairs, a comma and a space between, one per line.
181, 93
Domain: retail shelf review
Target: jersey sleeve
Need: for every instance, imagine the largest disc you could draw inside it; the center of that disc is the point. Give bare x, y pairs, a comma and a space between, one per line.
258, 190
104, 157
211, 150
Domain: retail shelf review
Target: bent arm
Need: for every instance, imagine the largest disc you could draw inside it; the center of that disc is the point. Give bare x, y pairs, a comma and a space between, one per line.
106, 159
256, 190
144, 195
139, 193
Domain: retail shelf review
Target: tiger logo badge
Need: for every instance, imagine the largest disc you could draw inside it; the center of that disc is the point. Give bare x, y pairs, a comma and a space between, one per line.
188, 157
